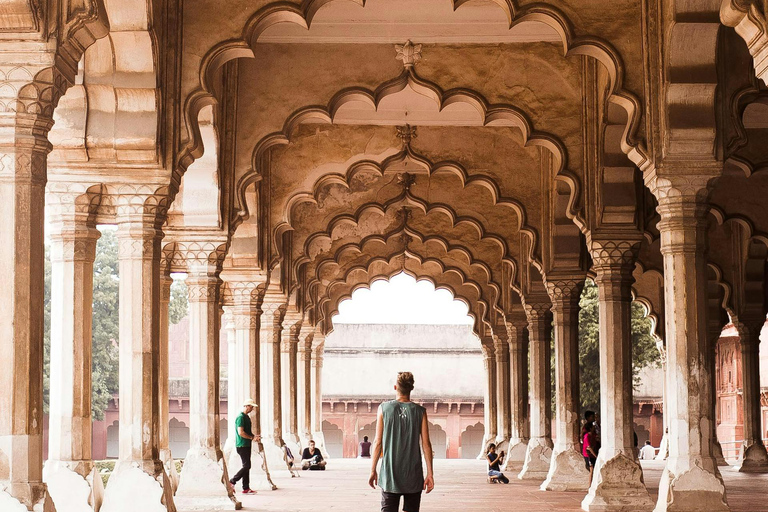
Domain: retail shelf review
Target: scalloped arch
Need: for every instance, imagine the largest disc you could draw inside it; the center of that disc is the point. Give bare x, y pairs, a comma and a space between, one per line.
282, 12
472, 304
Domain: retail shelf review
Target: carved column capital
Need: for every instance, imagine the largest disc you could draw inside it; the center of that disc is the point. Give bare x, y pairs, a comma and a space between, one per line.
564, 291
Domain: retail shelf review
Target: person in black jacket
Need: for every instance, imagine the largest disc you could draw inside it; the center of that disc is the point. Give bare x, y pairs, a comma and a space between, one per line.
311, 458
494, 465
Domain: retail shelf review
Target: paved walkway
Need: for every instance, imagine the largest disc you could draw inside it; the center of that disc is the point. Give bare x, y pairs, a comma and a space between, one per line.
461, 487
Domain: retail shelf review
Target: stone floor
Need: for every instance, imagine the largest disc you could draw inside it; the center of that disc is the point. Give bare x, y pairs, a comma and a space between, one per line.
460, 486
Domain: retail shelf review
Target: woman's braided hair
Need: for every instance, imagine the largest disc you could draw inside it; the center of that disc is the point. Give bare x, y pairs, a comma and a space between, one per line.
405, 382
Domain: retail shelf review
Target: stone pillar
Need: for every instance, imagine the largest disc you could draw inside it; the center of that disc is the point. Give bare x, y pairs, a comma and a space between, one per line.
288, 375
539, 452
691, 480
714, 329
490, 410
503, 428
566, 471
68, 472
664, 444
518, 363
617, 483
204, 475
317, 392
23, 158
270, 364
244, 369
139, 478
753, 457
163, 435
304, 384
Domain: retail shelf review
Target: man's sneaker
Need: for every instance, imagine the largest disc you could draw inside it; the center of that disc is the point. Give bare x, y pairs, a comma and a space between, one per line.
249, 491
231, 486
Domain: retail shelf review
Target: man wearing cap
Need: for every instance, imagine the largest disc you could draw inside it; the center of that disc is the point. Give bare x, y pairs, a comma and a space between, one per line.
243, 438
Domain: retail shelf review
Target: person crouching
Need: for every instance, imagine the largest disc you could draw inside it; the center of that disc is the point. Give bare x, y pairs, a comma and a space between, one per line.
494, 465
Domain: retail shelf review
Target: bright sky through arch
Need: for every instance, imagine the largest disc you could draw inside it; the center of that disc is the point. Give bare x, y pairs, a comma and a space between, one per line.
402, 300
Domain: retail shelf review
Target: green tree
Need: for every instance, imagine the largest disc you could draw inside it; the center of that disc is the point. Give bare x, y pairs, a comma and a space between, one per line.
106, 318
644, 350
104, 364
178, 306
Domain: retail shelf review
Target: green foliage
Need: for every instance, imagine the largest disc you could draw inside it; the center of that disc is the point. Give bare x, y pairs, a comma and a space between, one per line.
178, 306
105, 322
589, 347
644, 351
104, 364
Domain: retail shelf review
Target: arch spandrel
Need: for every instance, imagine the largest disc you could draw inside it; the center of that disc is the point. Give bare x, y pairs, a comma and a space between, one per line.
199, 93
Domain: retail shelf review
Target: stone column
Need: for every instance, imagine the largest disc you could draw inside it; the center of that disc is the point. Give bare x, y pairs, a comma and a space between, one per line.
288, 375
714, 329
246, 291
317, 392
503, 428
163, 436
539, 451
304, 384
617, 483
691, 480
270, 403
139, 469
518, 363
664, 444
566, 471
204, 475
753, 457
490, 410
23, 152
69, 468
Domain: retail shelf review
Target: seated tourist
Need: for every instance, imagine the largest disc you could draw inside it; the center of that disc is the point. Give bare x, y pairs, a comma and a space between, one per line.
312, 458
494, 465
647, 452
365, 448
288, 458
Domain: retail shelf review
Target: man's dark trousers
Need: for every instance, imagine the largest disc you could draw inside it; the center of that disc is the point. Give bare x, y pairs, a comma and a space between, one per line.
245, 472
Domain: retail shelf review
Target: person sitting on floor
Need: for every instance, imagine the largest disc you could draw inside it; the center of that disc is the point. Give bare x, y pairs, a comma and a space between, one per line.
494, 468
312, 458
288, 458
647, 452
365, 448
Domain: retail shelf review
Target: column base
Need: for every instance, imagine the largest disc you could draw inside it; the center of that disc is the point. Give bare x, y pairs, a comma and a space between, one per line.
753, 459
292, 442
275, 457
717, 453
487, 439
617, 486
537, 459
74, 486
663, 448
694, 490
515, 456
131, 488
170, 469
261, 479
25, 498
567, 471
502, 444
203, 483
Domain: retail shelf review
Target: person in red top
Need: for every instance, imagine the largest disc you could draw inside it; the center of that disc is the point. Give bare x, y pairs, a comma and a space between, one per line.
589, 448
